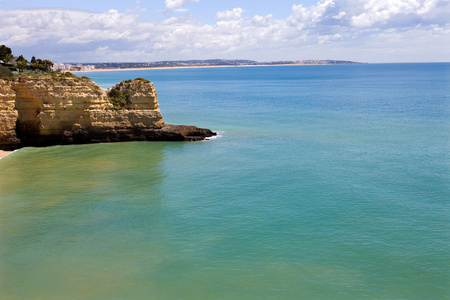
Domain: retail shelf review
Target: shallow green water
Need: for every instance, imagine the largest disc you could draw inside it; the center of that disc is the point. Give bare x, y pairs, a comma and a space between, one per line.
325, 183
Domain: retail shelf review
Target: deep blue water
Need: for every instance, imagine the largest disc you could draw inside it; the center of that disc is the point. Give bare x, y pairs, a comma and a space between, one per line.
326, 182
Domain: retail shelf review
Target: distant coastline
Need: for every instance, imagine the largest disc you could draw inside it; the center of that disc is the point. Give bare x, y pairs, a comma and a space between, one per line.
92, 67
179, 67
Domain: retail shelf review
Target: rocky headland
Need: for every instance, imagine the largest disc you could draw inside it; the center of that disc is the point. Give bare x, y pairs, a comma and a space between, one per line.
61, 108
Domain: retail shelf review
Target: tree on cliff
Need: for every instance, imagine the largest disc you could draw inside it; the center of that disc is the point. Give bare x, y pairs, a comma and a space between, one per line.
41, 65
47, 64
20, 58
22, 63
6, 53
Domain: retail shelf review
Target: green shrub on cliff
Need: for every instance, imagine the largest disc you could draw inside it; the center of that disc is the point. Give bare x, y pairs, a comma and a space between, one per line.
5, 72
142, 80
118, 98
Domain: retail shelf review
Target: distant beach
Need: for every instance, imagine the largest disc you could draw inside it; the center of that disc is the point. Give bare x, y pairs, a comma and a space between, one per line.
4, 153
199, 66
174, 67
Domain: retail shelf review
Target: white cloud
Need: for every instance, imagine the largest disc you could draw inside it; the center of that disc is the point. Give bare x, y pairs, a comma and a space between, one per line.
324, 39
384, 11
321, 31
234, 14
340, 16
176, 5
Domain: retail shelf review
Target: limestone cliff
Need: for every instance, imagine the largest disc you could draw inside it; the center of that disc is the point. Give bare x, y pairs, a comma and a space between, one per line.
65, 109
8, 117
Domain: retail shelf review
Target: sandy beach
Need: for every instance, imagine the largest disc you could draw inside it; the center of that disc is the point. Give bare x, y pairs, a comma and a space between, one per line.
183, 67
4, 153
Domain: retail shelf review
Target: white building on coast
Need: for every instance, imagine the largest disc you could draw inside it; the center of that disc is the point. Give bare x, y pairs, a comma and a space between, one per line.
68, 67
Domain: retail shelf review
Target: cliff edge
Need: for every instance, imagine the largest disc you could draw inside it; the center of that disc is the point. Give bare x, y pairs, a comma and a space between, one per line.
59, 109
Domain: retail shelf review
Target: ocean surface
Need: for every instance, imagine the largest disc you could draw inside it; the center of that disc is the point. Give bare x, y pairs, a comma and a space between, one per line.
325, 182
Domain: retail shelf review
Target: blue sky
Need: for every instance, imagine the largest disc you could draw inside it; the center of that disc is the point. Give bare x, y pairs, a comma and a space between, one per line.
152, 30
204, 10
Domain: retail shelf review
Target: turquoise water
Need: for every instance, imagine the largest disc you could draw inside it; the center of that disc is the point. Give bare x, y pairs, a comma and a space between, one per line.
326, 182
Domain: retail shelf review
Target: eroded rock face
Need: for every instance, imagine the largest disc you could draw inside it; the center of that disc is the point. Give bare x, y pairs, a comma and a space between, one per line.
63, 109
49, 106
8, 117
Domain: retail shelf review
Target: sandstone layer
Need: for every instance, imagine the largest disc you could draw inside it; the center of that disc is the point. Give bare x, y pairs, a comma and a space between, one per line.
64, 109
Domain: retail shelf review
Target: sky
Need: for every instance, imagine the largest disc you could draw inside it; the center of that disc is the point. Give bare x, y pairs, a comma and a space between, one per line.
373, 31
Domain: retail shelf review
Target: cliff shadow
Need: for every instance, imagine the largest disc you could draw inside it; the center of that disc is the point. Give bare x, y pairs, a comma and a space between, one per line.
28, 107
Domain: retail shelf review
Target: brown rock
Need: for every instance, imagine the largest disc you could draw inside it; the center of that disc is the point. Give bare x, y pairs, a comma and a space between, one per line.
65, 109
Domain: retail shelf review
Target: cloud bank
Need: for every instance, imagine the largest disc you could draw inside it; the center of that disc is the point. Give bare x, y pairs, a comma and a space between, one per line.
364, 30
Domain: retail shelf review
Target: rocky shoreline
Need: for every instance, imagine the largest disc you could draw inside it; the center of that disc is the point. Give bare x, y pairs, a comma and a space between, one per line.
61, 109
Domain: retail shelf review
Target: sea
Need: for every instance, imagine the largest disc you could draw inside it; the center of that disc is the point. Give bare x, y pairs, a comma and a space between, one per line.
323, 182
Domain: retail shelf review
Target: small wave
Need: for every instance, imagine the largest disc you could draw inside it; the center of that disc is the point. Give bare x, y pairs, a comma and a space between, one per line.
219, 134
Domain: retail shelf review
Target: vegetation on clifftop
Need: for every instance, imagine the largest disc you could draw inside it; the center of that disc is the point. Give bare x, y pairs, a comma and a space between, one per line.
119, 95
118, 98
13, 65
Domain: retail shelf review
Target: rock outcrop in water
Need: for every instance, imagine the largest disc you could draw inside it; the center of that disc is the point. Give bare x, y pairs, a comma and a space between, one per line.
63, 109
